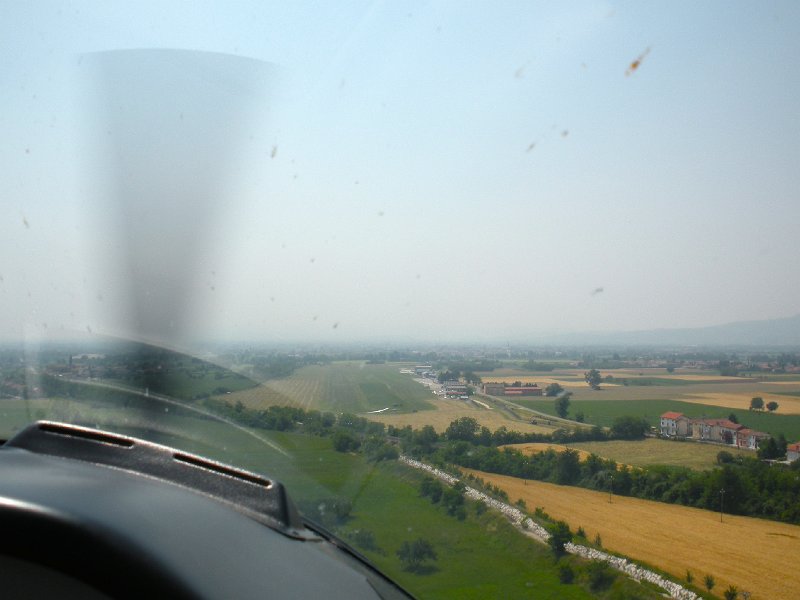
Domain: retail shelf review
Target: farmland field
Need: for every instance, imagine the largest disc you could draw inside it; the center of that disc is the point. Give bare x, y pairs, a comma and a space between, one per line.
642, 453
340, 387
752, 554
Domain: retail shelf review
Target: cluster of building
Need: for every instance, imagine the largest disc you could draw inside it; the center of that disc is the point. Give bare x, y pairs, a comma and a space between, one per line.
454, 390
721, 431
503, 389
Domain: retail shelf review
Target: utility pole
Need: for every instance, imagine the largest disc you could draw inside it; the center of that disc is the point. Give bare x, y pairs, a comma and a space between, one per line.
721, 499
610, 488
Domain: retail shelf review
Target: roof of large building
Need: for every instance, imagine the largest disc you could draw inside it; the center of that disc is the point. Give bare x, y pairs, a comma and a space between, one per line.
727, 424
671, 415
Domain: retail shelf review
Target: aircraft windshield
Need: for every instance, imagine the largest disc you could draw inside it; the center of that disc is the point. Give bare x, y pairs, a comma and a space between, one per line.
322, 240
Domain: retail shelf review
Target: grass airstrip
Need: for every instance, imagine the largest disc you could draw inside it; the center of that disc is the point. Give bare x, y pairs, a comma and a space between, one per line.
361, 388
755, 555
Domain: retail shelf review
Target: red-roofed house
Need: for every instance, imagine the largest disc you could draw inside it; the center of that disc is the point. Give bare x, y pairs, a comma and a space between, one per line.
793, 452
675, 424
748, 439
715, 430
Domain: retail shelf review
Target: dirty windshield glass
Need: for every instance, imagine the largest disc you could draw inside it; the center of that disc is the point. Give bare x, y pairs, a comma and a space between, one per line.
505, 293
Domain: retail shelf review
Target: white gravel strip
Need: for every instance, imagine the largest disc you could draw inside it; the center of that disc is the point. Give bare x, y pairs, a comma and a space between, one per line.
518, 518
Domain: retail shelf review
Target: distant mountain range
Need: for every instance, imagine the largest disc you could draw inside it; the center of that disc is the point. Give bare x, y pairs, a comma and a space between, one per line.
767, 333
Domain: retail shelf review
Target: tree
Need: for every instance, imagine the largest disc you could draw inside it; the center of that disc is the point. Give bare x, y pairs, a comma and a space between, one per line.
568, 467
344, 441
425, 439
731, 593
772, 406
453, 501
600, 577
579, 417
463, 428
629, 427
470, 377
768, 449
773, 448
757, 403
562, 406
593, 378
553, 390
413, 554
709, 582
566, 573
733, 418
559, 536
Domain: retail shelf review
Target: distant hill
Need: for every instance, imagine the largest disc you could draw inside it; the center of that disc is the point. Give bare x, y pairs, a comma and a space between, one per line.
772, 332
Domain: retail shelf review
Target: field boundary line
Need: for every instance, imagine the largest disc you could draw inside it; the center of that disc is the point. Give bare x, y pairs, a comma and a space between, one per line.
529, 527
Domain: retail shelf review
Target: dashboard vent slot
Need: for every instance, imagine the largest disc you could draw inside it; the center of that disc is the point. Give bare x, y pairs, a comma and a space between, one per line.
87, 434
198, 461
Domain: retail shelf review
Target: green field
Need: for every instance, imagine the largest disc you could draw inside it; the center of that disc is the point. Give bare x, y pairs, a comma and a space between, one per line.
603, 413
354, 387
481, 557
643, 453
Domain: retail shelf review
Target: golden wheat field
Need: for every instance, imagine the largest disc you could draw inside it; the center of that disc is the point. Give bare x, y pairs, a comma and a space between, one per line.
787, 405
448, 410
755, 555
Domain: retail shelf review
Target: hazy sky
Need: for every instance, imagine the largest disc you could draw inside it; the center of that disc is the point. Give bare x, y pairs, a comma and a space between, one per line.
418, 171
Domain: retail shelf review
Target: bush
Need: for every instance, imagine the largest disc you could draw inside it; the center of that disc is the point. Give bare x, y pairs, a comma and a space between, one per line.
365, 539
732, 592
413, 554
344, 441
600, 576
724, 457
565, 573
559, 536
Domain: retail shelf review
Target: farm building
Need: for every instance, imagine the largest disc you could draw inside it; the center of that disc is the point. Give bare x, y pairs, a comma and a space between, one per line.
523, 390
503, 389
494, 389
721, 431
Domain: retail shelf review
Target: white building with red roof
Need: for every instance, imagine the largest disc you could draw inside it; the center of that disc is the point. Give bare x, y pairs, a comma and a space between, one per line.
793, 452
674, 424
749, 439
